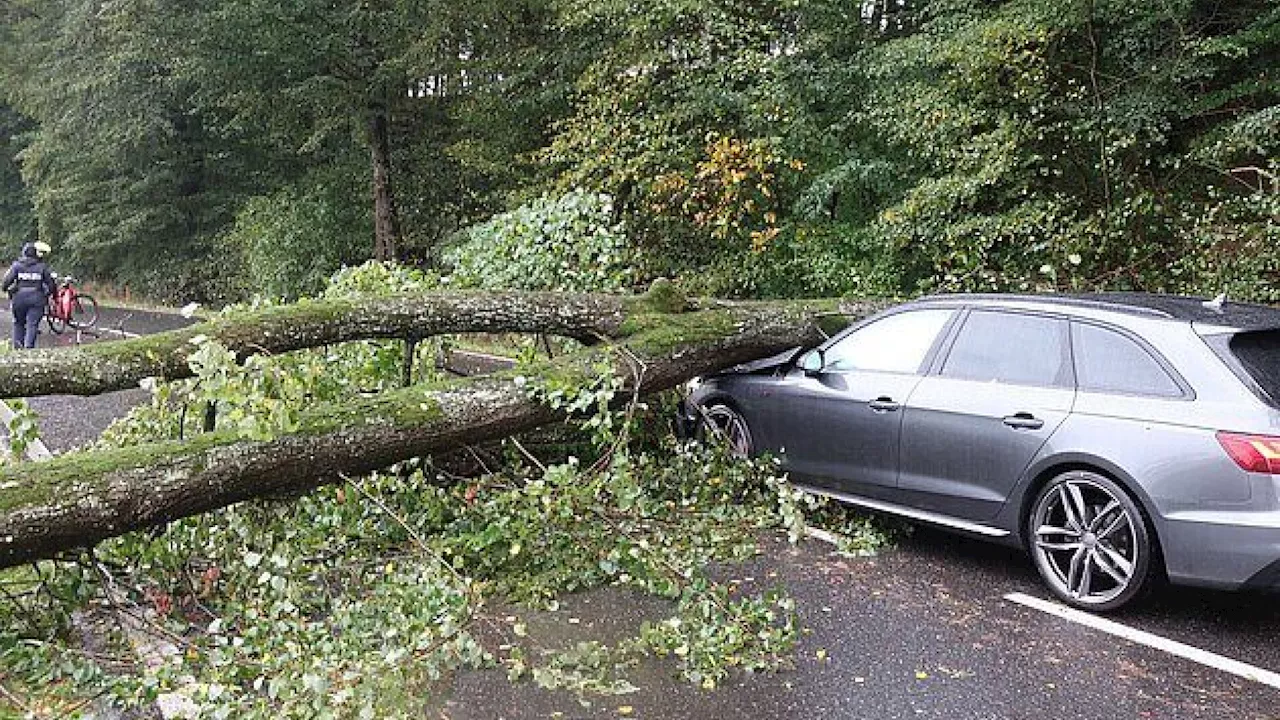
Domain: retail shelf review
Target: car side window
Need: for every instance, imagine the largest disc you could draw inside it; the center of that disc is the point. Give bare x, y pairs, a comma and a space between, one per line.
1011, 348
897, 343
1109, 362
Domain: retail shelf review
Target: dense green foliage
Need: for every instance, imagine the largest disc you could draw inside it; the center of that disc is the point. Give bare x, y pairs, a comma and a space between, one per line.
226, 149
293, 240
1086, 143
222, 147
17, 219
569, 243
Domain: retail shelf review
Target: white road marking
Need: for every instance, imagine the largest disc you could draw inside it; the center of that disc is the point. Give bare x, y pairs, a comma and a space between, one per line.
122, 333
1141, 637
821, 535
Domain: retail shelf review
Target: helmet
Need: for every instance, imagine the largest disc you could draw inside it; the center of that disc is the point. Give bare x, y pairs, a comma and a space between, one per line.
42, 248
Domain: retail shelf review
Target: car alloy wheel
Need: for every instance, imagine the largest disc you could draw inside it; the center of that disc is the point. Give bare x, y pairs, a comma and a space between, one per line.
1090, 541
728, 426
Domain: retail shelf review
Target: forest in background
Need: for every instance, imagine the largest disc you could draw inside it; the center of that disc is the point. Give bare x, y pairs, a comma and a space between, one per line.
216, 149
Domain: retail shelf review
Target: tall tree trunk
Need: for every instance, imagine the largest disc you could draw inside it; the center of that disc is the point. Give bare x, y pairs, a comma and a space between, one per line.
386, 224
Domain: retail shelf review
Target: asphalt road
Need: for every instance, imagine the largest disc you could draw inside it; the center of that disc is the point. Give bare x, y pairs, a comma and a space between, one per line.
921, 631
67, 422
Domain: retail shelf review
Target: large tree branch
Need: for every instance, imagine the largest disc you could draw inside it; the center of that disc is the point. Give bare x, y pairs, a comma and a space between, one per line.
78, 499
117, 365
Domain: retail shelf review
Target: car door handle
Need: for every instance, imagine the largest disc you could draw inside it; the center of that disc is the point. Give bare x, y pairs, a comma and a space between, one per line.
883, 404
1024, 421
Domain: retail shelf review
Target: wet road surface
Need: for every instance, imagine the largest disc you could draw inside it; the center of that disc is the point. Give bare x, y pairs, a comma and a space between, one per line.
921, 631
67, 421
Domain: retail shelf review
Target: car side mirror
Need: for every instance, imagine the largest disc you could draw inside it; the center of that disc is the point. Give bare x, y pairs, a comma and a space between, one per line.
812, 362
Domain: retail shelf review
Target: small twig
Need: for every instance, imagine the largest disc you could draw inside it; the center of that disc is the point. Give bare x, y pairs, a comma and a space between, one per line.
413, 534
638, 369
1254, 169
479, 460
100, 657
450, 476
471, 589
1263, 177
194, 595
145, 624
71, 711
528, 455
14, 699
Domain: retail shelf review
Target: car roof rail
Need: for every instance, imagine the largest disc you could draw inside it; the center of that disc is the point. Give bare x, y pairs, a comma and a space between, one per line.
1117, 302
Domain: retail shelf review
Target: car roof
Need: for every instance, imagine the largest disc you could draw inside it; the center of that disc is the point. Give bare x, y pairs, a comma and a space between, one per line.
1220, 314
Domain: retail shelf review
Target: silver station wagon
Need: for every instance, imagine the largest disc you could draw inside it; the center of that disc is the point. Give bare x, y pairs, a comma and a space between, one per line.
1118, 438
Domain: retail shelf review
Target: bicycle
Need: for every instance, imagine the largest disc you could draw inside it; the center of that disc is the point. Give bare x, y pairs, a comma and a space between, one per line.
70, 308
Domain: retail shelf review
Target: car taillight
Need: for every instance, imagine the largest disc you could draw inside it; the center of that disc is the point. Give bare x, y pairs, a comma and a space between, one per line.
1255, 453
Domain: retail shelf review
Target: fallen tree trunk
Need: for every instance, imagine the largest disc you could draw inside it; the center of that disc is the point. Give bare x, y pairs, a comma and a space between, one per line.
79, 499
121, 364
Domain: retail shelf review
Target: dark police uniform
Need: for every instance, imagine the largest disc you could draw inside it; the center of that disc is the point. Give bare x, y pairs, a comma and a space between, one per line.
29, 283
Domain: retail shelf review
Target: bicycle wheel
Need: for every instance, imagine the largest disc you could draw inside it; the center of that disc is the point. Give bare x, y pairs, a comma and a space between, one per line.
57, 323
84, 312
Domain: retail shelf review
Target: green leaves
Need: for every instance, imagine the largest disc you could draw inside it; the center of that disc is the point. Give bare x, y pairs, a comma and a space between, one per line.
570, 243
714, 633
23, 429
222, 148
295, 239
1034, 132
17, 217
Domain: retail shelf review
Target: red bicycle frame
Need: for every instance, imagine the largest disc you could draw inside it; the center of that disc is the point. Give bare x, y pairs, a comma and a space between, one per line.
62, 300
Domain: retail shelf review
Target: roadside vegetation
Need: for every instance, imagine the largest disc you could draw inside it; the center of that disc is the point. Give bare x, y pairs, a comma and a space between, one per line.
242, 153
361, 599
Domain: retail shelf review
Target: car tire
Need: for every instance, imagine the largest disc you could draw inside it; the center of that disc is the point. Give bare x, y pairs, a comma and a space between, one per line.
721, 423
1091, 542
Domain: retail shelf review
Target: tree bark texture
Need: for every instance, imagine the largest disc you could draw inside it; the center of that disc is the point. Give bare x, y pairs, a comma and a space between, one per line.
386, 223
78, 499
121, 364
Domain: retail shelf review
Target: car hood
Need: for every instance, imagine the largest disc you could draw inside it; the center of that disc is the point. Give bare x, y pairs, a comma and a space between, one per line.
770, 363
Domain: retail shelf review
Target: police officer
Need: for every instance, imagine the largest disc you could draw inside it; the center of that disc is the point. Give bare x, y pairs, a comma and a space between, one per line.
29, 284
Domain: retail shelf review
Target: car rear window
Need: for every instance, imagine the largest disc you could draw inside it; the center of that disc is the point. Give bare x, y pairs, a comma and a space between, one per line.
1258, 353
1109, 362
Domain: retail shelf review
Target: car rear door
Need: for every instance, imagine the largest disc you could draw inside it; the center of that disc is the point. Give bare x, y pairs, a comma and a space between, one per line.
973, 426
838, 427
